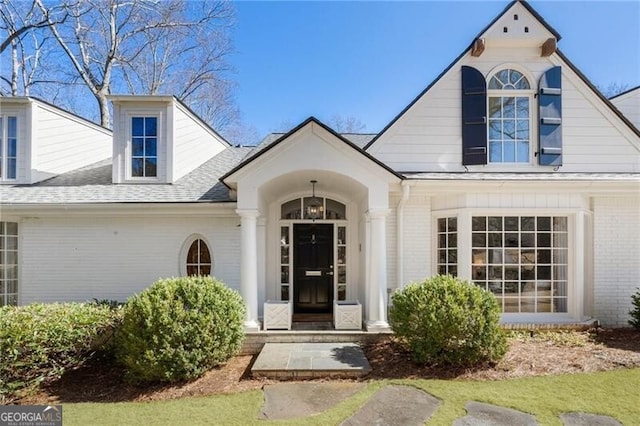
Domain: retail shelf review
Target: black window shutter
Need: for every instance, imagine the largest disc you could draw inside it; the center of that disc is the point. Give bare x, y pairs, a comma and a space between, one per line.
550, 114
474, 117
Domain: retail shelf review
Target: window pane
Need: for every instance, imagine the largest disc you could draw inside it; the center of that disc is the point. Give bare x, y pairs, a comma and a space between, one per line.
342, 235
495, 152
522, 107
479, 223
205, 256
544, 240
453, 240
495, 223
335, 210
150, 168
495, 256
137, 126
284, 274
495, 240
205, 269
509, 108
11, 168
544, 224
511, 223
523, 152
11, 228
12, 127
137, 147
509, 152
284, 292
479, 257
151, 126
342, 255
495, 107
291, 210
511, 240
150, 147
136, 167
479, 240
192, 255
559, 223
12, 147
527, 223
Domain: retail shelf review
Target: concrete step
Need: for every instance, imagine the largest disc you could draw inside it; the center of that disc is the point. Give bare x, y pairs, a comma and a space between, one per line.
306, 360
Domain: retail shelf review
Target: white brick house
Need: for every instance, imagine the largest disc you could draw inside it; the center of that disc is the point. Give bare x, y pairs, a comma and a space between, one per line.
509, 170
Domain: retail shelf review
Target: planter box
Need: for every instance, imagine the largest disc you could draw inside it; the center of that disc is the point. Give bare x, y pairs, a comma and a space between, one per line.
277, 315
347, 315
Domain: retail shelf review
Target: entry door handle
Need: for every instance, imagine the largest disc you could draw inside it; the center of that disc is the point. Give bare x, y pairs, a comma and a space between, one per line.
330, 273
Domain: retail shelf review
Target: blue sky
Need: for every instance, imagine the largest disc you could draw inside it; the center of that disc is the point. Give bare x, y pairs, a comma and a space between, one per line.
370, 59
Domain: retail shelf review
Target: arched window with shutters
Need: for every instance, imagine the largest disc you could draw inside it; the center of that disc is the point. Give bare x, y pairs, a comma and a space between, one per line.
198, 259
509, 96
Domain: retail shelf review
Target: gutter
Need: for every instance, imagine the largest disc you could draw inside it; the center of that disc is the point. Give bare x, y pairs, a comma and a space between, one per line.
406, 190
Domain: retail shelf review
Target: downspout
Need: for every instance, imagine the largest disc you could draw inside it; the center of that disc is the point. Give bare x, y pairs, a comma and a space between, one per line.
406, 189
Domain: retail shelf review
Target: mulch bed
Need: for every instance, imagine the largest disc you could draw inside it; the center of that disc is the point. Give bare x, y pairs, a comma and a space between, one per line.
530, 354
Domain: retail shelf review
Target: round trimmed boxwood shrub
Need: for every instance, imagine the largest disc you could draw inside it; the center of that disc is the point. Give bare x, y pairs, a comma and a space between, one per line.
179, 328
448, 321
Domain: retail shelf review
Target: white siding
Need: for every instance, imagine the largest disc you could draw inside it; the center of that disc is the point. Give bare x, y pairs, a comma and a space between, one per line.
428, 135
76, 259
62, 142
616, 257
629, 105
193, 143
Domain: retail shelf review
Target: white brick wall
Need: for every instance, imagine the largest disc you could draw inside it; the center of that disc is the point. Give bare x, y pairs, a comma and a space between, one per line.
77, 259
616, 257
417, 239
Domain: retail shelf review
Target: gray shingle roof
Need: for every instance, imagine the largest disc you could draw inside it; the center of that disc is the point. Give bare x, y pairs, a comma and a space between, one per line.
92, 184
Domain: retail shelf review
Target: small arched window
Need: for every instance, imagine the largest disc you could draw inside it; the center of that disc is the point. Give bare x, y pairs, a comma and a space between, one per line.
198, 258
509, 107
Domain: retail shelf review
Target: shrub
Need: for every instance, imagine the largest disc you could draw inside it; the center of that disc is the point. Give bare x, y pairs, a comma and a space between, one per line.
39, 342
449, 321
635, 312
179, 328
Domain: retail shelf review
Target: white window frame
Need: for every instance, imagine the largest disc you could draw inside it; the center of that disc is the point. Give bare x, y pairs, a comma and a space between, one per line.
575, 296
4, 146
160, 146
505, 93
3, 252
184, 253
351, 289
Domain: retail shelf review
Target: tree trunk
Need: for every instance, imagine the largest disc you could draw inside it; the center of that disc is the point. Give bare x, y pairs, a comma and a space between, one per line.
103, 106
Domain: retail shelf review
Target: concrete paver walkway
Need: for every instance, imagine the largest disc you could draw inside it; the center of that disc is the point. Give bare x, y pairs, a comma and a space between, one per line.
480, 414
303, 360
395, 406
584, 419
292, 400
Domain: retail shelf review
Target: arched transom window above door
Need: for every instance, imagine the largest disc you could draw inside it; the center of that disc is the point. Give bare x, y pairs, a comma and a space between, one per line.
299, 209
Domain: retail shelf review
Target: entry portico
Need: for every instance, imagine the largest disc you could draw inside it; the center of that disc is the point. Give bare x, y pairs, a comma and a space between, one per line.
312, 260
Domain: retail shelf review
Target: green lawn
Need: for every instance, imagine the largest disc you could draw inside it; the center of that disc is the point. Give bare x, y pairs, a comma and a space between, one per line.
613, 393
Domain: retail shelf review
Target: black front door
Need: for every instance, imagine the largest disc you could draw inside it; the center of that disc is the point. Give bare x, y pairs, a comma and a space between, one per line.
313, 268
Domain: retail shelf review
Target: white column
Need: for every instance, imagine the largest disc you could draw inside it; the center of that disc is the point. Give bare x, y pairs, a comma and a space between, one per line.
249, 266
377, 264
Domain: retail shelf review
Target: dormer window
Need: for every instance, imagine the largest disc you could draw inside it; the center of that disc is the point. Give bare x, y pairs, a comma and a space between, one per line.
8, 147
144, 147
509, 112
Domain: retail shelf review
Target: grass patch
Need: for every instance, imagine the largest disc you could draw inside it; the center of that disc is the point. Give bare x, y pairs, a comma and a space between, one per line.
612, 393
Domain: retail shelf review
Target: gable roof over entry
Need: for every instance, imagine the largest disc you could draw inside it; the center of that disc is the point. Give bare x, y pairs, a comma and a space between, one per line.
228, 178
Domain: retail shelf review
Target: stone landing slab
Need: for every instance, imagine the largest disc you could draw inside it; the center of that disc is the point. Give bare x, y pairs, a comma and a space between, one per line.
305, 360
